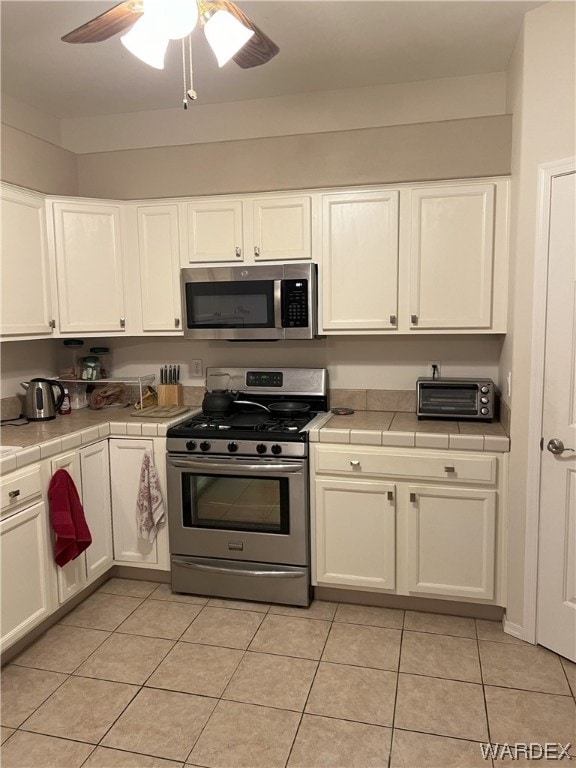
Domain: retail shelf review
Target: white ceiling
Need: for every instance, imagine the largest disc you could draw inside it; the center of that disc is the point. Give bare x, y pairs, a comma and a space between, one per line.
324, 45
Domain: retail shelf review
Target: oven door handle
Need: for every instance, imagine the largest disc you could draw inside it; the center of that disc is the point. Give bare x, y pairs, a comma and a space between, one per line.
237, 572
203, 465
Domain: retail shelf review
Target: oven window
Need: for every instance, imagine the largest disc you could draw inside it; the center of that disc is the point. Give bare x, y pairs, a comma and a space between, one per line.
242, 304
463, 399
236, 503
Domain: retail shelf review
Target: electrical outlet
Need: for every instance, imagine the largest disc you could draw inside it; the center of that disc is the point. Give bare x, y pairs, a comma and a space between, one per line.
431, 370
196, 371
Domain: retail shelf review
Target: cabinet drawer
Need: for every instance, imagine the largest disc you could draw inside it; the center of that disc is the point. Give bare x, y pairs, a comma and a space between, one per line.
19, 487
437, 466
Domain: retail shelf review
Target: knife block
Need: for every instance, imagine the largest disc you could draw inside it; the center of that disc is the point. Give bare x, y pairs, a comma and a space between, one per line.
170, 394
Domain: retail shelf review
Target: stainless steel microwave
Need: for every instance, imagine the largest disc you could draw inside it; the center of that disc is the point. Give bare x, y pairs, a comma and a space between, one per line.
259, 302
463, 399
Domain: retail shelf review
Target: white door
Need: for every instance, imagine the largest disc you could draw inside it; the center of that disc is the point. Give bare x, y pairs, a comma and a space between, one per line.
25, 304
451, 541
360, 261
215, 232
356, 533
556, 606
159, 252
72, 577
451, 257
95, 467
89, 267
125, 464
282, 228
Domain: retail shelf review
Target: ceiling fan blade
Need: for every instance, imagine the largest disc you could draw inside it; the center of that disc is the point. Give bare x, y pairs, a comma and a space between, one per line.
109, 23
259, 49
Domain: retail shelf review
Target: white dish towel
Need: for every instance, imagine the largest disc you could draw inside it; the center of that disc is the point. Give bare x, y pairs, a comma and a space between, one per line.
150, 502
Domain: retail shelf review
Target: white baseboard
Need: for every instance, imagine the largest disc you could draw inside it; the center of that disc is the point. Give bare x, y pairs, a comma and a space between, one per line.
512, 629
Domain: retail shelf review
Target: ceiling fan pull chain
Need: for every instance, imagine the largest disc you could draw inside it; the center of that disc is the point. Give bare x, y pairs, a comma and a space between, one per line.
185, 99
191, 93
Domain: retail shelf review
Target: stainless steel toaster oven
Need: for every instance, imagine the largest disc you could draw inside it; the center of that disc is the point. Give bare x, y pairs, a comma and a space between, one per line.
463, 399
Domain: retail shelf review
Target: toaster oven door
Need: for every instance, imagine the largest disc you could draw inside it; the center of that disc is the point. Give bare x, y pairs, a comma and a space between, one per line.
459, 400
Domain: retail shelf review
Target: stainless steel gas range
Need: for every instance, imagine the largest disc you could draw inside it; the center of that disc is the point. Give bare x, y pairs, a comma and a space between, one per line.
238, 505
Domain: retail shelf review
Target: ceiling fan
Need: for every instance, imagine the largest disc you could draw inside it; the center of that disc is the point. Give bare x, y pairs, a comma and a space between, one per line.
255, 47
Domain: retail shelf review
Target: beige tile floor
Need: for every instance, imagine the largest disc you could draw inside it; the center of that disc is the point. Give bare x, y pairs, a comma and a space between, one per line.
136, 677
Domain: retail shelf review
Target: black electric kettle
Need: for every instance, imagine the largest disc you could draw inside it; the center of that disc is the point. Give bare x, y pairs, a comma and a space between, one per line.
40, 404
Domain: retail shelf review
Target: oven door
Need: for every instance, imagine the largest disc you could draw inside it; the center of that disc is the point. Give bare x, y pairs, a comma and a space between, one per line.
239, 508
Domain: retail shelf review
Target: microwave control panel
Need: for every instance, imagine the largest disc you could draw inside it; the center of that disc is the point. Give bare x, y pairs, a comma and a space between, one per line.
295, 304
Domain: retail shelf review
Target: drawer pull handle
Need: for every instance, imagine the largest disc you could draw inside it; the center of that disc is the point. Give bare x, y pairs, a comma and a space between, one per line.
390, 495
14, 494
354, 463
412, 497
449, 469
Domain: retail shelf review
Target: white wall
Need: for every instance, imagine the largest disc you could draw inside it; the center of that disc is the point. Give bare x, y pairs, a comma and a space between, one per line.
542, 91
24, 360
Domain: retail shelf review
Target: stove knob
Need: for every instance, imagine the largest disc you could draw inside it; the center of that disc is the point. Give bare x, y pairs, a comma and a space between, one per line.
276, 449
190, 445
260, 448
232, 447
204, 446
483, 411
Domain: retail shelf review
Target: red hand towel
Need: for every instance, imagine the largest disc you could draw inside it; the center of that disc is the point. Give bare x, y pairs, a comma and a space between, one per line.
67, 518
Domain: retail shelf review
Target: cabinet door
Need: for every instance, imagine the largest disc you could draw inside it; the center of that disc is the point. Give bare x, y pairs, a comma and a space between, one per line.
360, 261
89, 267
159, 252
282, 228
95, 467
451, 544
25, 600
451, 257
355, 533
25, 304
215, 232
125, 464
72, 577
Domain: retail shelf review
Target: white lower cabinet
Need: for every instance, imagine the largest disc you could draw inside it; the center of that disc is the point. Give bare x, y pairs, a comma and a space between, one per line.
24, 568
376, 528
451, 541
125, 464
89, 469
356, 533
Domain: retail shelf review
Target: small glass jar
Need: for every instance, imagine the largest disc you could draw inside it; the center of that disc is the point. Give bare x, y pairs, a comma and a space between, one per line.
104, 356
78, 396
90, 370
69, 363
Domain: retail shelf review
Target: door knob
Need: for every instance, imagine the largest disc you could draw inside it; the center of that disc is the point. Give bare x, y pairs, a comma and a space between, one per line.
556, 446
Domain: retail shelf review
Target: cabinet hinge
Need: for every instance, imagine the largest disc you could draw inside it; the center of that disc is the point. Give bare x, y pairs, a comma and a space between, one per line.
52, 324
541, 443
414, 319
393, 320
390, 495
176, 322
412, 497
238, 251
122, 322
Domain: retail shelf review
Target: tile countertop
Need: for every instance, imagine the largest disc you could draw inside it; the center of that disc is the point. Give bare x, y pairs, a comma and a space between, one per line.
40, 440
401, 429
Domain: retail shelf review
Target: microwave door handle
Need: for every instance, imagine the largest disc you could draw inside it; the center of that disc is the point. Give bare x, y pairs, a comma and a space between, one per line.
230, 466
278, 304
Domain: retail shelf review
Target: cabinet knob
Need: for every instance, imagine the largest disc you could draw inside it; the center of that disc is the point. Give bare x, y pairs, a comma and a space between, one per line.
354, 463
449, 469
122, 322
393, 320
414, 319
238, 251
256, 250
176, 322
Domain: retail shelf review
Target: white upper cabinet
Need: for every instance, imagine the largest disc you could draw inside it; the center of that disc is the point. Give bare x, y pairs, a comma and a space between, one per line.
215, 231
360, 261
88, 247
282, 228
159, 261
26, 308
452, 256
249, 230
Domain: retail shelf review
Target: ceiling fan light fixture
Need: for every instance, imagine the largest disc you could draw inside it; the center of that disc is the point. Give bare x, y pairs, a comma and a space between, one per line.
225, 34
174, 19
144, 41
